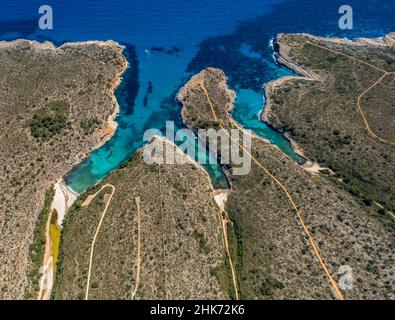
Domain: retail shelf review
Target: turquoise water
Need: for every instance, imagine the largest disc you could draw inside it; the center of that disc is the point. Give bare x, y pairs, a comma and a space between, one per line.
232, 35
165, 73
248, 108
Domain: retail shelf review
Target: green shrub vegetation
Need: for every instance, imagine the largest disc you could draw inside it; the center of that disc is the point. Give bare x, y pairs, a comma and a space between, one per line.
37, 247
50, 120
269, 286
89, 125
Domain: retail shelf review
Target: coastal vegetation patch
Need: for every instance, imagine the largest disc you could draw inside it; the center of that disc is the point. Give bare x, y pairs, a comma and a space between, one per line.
50, 120
37, 247
54, 234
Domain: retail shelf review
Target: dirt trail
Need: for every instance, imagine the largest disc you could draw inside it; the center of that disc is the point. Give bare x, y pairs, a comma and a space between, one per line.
46, 280
85, 203
138, 261
224, 223
365, 120
313, 244
346, 55
386, 73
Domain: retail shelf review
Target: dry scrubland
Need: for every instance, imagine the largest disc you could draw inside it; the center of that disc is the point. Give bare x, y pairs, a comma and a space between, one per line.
54, 105
379, 107
182, 253
323, 116
272, 255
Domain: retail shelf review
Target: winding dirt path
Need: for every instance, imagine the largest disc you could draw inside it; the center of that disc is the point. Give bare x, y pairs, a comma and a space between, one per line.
86, 203
377, 82
314, 246
224, 225
363, 114
46, 280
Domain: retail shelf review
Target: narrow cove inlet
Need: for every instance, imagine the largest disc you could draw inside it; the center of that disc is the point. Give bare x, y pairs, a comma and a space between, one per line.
147, 99
197, 150
163, 56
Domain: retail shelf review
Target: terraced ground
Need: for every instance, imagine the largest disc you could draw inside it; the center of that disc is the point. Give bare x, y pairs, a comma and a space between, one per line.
182, 254
47, 94
274, 255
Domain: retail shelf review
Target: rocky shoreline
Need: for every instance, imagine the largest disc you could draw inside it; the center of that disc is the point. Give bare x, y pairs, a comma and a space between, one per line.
82, 76
282, 57
64, 195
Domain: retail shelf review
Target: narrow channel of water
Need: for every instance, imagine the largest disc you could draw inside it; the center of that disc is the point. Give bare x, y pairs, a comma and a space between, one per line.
175, 39
152, 110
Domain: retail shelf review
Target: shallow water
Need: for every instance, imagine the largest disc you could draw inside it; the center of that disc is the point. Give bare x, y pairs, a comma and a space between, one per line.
241, 49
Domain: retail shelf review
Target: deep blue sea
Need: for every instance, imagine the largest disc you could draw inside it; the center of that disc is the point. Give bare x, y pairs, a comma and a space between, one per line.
168, 41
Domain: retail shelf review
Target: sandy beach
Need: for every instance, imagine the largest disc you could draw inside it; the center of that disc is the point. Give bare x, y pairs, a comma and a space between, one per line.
64, 196
63, 200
